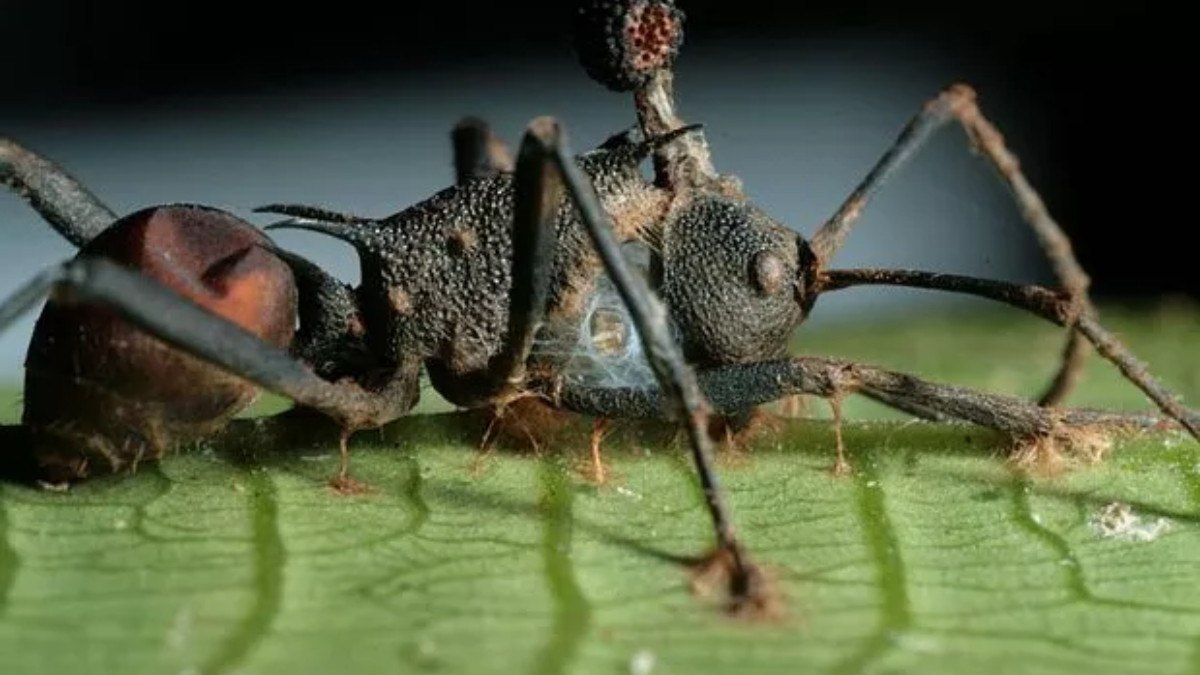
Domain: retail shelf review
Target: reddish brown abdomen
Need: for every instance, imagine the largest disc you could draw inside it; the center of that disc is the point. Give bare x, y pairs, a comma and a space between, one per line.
101, 395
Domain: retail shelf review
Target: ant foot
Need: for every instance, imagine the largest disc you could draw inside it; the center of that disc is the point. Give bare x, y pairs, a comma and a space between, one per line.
743, 588
347, 486
841, 468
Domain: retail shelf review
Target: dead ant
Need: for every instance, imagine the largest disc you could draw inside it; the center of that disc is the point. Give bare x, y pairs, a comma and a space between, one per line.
472, 285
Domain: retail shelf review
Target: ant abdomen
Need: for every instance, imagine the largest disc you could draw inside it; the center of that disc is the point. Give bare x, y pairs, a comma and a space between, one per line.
101, 395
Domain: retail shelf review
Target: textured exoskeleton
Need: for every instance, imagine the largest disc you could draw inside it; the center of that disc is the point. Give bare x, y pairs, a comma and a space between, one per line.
575, 281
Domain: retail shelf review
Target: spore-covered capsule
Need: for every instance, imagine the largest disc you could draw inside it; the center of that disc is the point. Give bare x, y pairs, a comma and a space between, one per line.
621, 43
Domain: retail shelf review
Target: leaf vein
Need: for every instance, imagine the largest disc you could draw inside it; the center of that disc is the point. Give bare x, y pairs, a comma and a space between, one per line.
1190, 470
572, 614
269, 558
8, 558
895, 612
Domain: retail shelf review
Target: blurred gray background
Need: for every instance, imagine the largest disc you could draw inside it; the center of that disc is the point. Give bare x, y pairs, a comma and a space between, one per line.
800, 117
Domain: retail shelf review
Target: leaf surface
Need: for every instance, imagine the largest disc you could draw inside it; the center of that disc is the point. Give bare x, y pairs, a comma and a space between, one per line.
934, 557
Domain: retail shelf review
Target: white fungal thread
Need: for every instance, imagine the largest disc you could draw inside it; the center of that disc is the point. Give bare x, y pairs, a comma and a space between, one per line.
607, 351
1118, 521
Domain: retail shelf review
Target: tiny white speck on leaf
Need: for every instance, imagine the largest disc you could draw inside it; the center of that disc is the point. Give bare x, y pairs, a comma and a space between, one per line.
425, 652
917, 643
626, 492
179, 633
642, 662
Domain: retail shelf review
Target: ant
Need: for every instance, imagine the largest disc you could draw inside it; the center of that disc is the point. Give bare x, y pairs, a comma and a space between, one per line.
169, 319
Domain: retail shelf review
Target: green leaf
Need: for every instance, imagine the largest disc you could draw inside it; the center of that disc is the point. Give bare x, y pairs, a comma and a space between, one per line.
934, 557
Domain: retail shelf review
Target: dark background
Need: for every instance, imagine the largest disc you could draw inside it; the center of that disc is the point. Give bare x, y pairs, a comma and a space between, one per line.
1105, 81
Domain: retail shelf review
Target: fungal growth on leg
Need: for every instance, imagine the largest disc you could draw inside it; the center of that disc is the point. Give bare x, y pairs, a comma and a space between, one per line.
534, 285
730, 242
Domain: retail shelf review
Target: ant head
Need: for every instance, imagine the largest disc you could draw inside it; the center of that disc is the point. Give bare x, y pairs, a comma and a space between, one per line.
736, 281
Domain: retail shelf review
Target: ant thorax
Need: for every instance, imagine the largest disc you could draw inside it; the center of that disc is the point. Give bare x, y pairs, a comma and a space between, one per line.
601, 349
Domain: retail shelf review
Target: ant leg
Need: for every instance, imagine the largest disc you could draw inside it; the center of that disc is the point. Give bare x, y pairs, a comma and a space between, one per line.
486, 443
538, 193
739, 386
1055, 307
599, 429
957, 103
70, 208
840, 466
682, 392
907, 407
477, 151
183, 324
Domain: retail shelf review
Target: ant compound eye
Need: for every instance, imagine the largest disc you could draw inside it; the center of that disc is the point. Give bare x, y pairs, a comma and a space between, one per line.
621, 43
769, 273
